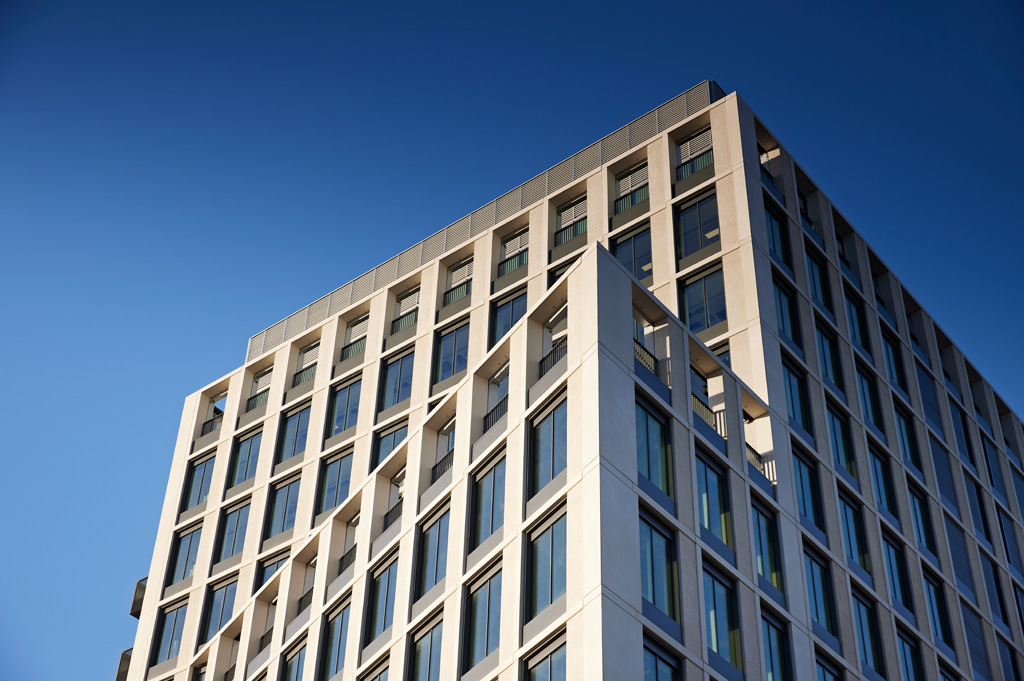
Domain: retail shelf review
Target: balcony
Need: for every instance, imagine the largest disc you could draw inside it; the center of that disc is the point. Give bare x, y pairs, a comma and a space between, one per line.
650, 370
709, 423
393, 514
570, 232
511, 269
353, 349
348, 559
811, 229
211, 425
258, 400
496, 413
402, 328
137, 597
765, 470
304, 375
265, 639
631, 206
442, 466
305, 600
693, 172
456, 293
768, 180
123, 664
554, 356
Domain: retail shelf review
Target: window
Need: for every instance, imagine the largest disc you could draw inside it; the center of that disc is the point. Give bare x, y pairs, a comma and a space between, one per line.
975, 642
659, 665
808, 498
197, 484
766, 552
853, 534
293, 435
776, 655
923, 531
381, 675
514, 251
980, 519
355, 337
284, 498
334, 481
820, 593
713, 502
397, 382
247, 453
551, 667
426, 661
869, 401
659, 571
796, 397
335, 638
960, 429
817, 273
694, 155
995, 473
452, 353
549, 448
547, 566
720, 618
826, 673
828, 349
483, 630
907, 439
459, 282
868, 645
631, 188
292, 670
232, 532
344, 408
778, 237
489, 499
885, 493
653, 451
994, 588
570, 220
183, 555
433, 553
387, 440
944, 474
910, 658
704, 301
634, 252
305, 365
267, 568
786, 314
842, 445
858, 324
381, 601
506, 313
929, 400
697, 227
894, 362
961, 559
938, 614
407, 307
1009, 540
167, 638
899, 579
219, 606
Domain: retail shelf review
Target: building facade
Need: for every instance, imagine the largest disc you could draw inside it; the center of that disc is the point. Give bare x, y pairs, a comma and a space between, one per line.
658, 413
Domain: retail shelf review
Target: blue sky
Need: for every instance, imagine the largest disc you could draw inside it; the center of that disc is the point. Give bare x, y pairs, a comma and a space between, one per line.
176, 176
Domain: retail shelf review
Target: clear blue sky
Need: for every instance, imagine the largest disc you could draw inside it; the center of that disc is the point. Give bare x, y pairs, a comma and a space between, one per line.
176, 176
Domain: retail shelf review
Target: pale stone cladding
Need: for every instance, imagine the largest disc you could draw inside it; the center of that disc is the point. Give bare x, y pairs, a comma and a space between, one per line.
583, 311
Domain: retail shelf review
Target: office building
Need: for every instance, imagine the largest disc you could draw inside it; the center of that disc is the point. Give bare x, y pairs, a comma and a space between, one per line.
658, 413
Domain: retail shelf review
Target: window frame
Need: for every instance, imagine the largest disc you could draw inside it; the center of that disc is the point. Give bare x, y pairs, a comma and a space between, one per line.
491, 623
291, 488
301, 415
323, 480
249, 470
535, 475
549, 526
392, 398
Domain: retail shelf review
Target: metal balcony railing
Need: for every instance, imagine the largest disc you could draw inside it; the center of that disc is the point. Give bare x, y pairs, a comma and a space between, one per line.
229, 675
257, 400
554, 355
123, 664
347, 560
354, 348
393, 514
306, 599
405, 321
513, 262
442, 466
694, 165
496, 412
211, 425
265, 639
638, 195
570, 232
754, 459
140, 593
456, 293
645, 356
769, 181
715, 419
304, 375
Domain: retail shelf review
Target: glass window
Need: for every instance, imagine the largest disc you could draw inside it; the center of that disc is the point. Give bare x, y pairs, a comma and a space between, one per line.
778, 237
766, 554
549, 448
549, 668
377, 676
281, 513
994, 588
704, 302
220, 604
858, 324
853, 534
869, 402
796, 397
807, 491
937, 612
292, 670
907, 439
828, 350
995, 472
334, 641
345, 407
381, 601
167, 640
489, 497
817, 272
819, 593
659, 666
944, 474
775, 650
929, 399
1009, 539
910, 659
197, 485
865, 622
720, 618
267, 568
653, 451
387, 441
713, 502
183, 562
426, 662
899, 580
452, 353
397, 381
922, 521
960, 429
547, 567
634, 252
885, 494
232, 533
658, 568
293, 435
484, 625
786, 314
334, 482
978, 515
826, 673
842, 446
246, 456
894, 362
506, 314
697, 227
434, 553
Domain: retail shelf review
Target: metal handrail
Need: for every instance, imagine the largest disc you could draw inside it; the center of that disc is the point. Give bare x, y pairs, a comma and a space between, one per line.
570, 232
405, 321
554, 355
694, 165
304, 375
354, 348
645, 356
257, 400
265, 639
211, 425
393, 514
456, 293
637, 196
513, 262
754, 459
496, 412
442, 466
140, 593
715, 419
769, 181
347, 560
306, 599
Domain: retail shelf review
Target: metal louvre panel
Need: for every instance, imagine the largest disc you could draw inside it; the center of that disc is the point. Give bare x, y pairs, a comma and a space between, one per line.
408, 302
958, 549
340, 299
255, 346
975, 643
515, 243
508, 204
317, 312
560, 175
535, 190
481, 219
697, 98
358, 328
409, 260
588, 159
261, 381
456, 234
671, 112
694, 146
1006, 661
433, 247
274, 337
572, 212
643, 129
385, 274
614, 144
295, 324
362, 286
460, 272
309, 355
631, 179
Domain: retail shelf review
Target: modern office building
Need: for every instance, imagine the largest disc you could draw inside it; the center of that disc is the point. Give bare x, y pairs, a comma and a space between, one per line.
658, 413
